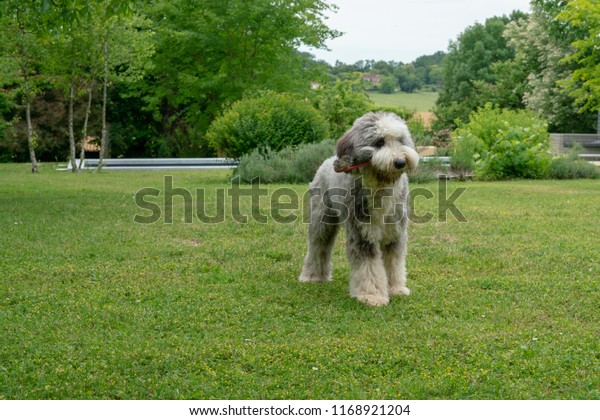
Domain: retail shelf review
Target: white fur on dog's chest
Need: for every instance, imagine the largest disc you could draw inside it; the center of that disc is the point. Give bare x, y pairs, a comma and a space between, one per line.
382, 227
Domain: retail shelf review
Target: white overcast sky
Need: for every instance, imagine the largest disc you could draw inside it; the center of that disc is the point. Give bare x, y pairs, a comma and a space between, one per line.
402, 30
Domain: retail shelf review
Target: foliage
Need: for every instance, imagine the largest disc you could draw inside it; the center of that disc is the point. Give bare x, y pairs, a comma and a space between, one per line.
388, 85
341, 103
295, 164
584, 82
424, 72
541, 43
565, 168
410, 78
571, 166
427, 172
184, 311
180, 62
442, 138
420, 133
468, 65
210, 53
510, 144
465, 148
268, 119
516, 153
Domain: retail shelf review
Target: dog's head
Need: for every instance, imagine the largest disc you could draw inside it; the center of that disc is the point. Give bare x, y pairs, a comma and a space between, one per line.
379, 143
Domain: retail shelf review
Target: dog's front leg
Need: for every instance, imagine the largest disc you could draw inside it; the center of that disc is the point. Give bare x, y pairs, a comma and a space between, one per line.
394, 259
368, 279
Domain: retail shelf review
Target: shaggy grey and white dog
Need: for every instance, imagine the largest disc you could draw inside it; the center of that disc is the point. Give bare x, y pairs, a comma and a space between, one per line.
365, 188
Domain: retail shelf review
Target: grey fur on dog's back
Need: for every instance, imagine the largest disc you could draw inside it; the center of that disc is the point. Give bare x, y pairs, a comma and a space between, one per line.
371, 202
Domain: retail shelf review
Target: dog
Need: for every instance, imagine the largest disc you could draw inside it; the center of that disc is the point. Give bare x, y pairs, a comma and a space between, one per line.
365, 188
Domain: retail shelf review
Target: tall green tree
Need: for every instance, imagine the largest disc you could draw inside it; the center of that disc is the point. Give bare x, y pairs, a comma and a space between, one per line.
584, 82
73, 64
471, 63
541, 43
209, 52
23, 55
103, 40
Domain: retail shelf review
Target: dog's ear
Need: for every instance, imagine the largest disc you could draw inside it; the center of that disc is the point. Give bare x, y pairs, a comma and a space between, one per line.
344, 150
345, 147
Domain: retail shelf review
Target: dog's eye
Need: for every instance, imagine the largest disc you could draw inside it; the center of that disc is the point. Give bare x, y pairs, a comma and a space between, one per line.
380, 143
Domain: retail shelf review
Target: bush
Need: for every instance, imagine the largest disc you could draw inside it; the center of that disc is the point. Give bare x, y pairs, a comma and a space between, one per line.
290, 165
507, 143
270, 120
515, 154
464, 152
572, 167
427, 172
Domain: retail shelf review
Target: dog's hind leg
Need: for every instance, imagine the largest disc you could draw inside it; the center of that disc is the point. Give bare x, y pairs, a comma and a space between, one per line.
317, 263
368, 279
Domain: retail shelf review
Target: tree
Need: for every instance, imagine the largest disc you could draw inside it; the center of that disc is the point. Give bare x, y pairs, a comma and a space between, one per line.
469, 65
541, 42
210, 52
73, 64
388, 84
409, 78
20, 20
97, 40
584, 82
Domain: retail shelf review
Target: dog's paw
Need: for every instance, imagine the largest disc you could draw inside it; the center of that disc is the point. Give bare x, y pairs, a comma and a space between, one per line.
399, 291
373, 300
313, 278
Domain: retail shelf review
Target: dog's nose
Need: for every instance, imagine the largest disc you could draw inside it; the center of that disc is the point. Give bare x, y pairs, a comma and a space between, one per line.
399, 163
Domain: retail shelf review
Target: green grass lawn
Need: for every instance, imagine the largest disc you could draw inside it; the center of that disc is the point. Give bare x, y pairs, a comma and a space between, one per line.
93, 305
420, 101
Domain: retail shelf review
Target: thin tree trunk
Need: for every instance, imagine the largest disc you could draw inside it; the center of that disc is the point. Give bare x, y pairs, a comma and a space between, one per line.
73, 154
104, 140
30, 139
85, 126
25, 71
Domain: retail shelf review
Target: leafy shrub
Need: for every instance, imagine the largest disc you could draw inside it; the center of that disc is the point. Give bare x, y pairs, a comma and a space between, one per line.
270, 120
507, 143
296, 164
565, 168
427, 172
515, 154
420, 134
464, 152
572, 167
